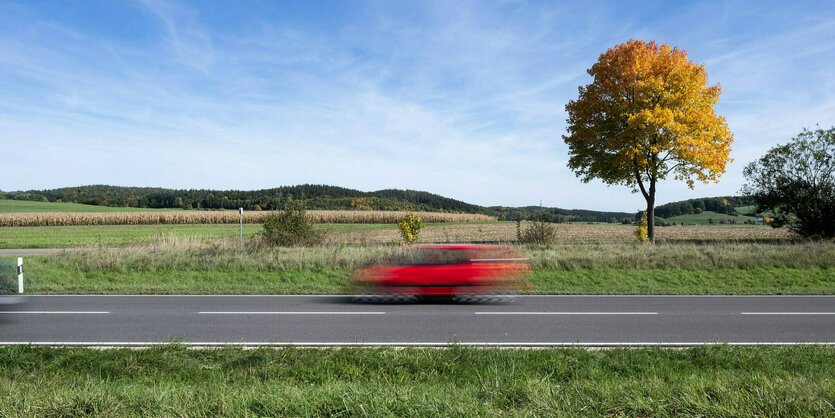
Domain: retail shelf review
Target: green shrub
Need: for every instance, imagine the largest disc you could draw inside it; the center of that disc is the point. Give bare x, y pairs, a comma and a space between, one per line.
290, 227
410, 228
539, 233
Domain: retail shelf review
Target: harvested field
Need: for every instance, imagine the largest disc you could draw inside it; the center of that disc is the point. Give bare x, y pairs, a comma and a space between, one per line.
222, 217
506, 232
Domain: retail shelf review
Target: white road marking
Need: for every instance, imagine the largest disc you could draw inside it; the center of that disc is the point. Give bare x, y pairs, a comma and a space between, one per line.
289, 313
56, 312
566, 313
787, 313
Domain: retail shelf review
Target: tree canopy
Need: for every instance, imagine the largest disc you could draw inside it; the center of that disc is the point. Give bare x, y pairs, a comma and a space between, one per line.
796, 182
647, 114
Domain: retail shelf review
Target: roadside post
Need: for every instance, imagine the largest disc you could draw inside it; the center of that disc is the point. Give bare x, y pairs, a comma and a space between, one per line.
241, 211
20, 275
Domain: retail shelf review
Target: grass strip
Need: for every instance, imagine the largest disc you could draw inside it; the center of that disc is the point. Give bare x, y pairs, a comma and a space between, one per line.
57, 278
190, 266
458, 381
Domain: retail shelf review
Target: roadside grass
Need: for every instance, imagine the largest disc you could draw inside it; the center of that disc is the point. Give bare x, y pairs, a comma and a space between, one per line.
26, 206
456, 381
192, 266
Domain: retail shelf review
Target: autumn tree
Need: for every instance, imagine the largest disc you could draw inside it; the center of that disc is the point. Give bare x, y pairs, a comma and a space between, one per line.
647, 115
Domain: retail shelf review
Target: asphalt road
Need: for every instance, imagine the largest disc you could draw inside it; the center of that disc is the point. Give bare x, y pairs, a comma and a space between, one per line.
333, 320
21, 252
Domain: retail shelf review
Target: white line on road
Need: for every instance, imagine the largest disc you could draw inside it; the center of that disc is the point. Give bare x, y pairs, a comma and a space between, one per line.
566, 313
788, 313
291, 313
56, 312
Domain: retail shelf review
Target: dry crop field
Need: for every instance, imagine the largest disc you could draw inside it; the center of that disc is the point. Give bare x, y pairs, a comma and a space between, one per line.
222, 217
506, 232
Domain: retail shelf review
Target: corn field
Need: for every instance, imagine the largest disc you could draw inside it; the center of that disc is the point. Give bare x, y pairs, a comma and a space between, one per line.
222, 217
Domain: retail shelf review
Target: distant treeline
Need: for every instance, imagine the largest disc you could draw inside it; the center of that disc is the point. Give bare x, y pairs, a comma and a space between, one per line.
536, 213
324, 197
724, 204
314, 196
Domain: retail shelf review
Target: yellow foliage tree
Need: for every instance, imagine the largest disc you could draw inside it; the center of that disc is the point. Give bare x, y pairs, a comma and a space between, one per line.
647, 114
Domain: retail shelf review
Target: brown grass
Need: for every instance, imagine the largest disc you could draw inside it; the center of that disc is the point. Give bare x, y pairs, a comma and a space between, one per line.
506, 232
221, 217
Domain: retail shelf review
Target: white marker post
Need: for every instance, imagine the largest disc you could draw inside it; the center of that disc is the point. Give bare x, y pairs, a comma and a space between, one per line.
20, 275
241, 211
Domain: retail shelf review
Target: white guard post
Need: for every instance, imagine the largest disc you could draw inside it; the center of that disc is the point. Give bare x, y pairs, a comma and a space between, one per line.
20, 275
241, 211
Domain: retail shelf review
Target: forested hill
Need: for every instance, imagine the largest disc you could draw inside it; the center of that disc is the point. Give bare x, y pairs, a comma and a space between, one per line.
314, 197
723, 204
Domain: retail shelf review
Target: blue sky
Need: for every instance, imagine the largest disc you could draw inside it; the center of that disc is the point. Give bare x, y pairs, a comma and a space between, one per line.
464, 99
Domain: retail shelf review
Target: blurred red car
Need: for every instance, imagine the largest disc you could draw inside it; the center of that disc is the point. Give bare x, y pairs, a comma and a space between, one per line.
446, 270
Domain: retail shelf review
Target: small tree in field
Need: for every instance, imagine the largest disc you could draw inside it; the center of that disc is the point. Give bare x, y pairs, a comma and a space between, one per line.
641, 229
647, 115
796, 181
410, 228
290, 227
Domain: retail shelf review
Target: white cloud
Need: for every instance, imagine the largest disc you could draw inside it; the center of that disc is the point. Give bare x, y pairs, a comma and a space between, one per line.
464, 99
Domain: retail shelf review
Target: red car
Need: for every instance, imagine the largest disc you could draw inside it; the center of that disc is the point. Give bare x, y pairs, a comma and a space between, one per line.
446, 270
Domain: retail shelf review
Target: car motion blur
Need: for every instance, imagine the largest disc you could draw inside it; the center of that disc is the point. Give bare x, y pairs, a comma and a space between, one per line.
449, 270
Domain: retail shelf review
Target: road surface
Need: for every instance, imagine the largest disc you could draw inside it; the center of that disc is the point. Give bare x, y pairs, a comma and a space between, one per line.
21, 252
333, 320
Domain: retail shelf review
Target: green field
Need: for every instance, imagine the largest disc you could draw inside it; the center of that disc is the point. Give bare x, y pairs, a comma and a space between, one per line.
119, 235
176, 266
112, 235
10, 206
702, 218
457, 381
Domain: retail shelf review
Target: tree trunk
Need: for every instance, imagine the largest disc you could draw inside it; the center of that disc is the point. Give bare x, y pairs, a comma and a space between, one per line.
650, 197
651, 219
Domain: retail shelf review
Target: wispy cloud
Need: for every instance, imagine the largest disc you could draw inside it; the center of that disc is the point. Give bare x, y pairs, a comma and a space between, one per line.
464, 99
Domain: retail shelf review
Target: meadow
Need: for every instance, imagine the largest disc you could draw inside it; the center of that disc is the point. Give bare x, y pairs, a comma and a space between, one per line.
120, 235
172, 380
197, 266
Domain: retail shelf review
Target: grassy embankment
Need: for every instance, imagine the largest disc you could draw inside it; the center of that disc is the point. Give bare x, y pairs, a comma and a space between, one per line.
172, 380
193, 266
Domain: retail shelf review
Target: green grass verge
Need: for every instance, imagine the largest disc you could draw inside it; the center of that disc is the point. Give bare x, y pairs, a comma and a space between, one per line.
9, 206
43, 276
193, 266
458, 381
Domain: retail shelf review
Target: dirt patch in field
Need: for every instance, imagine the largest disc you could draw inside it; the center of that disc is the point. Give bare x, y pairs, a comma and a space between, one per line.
506, 232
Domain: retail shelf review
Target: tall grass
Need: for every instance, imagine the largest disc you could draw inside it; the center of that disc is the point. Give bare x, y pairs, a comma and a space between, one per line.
183, 253
221, 217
